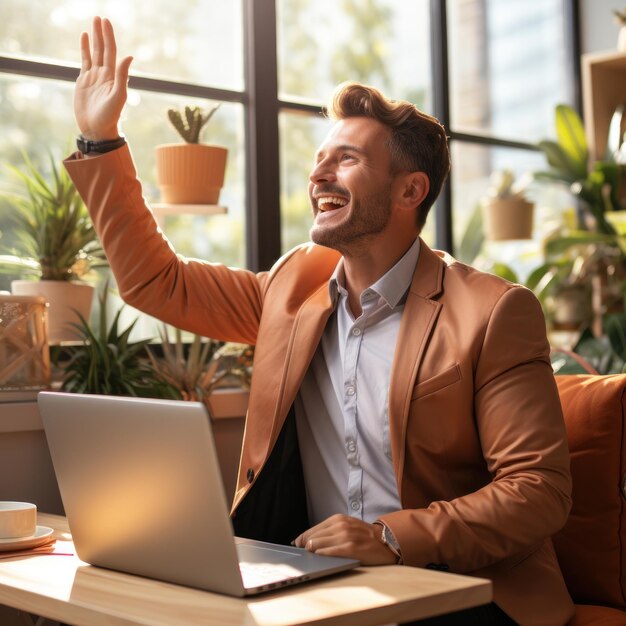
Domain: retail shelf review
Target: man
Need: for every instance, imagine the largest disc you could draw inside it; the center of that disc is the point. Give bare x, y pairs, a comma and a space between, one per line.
402, 407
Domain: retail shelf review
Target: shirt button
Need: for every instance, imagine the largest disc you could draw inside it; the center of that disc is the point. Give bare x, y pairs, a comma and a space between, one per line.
250, 475
350, 391
356, 332
351, 446
355, 505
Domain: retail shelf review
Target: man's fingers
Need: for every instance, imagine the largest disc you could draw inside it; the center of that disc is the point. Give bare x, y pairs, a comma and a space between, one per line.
110, 48
97, 52
121, 72
327, 527
85, 54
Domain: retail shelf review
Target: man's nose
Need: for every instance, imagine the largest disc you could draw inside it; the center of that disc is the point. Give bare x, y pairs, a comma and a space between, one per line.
323, 173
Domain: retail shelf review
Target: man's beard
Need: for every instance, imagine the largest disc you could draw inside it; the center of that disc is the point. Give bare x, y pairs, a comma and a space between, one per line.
367, 217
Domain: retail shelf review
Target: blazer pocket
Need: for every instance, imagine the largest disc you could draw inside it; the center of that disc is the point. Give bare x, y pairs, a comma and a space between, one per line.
449, 376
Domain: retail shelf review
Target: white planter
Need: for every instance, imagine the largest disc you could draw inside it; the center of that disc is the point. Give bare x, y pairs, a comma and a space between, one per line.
65, 299
621, 39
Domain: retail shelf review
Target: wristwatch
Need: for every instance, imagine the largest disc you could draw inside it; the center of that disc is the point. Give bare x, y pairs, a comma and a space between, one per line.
86, 146
389, 539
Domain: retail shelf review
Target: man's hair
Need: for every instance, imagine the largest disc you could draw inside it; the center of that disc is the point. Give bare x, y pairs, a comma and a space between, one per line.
417, 142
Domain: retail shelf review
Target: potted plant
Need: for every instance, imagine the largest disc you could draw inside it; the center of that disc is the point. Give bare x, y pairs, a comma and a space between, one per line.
206, 370
620, 18
507, 212
192, 172
107, 362
597, 184
55, 243
596, 243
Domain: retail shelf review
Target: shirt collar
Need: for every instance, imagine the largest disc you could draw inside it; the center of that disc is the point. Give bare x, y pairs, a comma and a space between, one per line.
392, 286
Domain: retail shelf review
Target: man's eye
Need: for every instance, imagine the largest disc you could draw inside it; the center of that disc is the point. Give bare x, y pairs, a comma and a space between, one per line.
347, 157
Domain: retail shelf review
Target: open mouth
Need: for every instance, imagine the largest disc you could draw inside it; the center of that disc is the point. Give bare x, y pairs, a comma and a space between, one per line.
330, 203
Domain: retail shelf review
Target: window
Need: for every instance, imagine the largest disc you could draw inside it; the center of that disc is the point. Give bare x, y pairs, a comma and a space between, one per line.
379, 42
491, 70
508, 66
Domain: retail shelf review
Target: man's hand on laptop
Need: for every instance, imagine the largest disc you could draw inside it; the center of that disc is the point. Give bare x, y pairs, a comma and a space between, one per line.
342, 535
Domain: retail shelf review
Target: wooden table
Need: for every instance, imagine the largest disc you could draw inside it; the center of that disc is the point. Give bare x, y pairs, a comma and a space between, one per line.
64, 588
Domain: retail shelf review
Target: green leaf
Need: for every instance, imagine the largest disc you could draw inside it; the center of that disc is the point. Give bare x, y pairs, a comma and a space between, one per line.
599, 353
558, 159
571, 137
504, 271
473, 237
564, 363
558, 245
615, 328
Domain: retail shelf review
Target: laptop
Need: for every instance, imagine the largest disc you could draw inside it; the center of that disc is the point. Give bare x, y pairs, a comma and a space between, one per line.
142, 491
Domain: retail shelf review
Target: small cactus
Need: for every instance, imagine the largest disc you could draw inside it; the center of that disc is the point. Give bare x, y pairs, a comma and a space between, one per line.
190, 121
502, 185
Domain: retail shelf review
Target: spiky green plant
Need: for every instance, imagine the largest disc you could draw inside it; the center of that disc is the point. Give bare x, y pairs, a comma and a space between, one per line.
191, 372
109, 363
190, 121
195, 372
55, 237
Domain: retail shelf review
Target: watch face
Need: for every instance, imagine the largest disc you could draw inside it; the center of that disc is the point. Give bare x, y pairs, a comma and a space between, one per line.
390, 540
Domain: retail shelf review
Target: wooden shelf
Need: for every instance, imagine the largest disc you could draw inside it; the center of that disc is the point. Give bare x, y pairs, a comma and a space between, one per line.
162, 208
604, 88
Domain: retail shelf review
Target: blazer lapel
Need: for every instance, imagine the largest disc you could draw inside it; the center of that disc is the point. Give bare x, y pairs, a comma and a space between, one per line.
305, 337
418, 321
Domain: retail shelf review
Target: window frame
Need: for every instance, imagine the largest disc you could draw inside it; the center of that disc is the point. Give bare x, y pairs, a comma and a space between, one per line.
262, 107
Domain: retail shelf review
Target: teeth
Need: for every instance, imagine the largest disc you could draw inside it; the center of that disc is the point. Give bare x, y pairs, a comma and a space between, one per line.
324, 200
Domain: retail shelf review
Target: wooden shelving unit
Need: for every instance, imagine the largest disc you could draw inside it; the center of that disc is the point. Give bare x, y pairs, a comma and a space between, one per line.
604, 88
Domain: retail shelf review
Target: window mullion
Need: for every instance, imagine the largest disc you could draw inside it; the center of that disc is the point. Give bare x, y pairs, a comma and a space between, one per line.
441, 107
262, 158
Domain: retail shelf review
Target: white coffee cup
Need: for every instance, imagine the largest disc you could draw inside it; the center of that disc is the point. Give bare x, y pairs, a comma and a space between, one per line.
17, 519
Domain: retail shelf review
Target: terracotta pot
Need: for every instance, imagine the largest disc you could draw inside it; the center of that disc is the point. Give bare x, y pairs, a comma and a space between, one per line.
508, 218
65, 299
190, 173
572, 307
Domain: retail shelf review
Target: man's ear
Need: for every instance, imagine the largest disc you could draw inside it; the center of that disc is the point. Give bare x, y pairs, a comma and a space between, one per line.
414, 187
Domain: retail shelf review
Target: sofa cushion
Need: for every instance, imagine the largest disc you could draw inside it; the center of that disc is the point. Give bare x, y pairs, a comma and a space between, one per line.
590, 547
587, 615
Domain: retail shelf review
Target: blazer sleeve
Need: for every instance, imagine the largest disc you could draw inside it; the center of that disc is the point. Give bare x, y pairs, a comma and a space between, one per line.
518, 418
205, 298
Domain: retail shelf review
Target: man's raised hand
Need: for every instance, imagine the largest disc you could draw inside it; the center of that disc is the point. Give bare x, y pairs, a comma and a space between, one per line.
100, 91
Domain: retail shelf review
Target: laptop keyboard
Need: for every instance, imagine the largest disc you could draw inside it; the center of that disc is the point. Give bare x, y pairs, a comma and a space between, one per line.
257, 574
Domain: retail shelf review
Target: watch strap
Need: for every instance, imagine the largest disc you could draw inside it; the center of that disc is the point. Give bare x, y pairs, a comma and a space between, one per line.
389, 539
86, 146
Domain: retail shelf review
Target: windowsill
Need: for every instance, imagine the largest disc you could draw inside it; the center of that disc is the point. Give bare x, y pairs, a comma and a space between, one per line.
23, 416
18, 417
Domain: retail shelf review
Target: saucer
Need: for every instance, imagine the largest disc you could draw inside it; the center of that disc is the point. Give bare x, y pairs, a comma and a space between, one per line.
41, 536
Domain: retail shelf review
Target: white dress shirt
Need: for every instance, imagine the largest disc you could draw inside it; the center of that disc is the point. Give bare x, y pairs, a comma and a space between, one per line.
342, 408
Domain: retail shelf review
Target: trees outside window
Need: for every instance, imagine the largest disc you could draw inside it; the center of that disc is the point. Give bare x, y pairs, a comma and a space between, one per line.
493, 74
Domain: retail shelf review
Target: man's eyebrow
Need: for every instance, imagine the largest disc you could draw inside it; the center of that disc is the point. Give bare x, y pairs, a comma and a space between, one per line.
341, 148
350, 148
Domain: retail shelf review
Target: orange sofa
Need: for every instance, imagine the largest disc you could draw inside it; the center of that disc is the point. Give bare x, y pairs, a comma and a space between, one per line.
592, 546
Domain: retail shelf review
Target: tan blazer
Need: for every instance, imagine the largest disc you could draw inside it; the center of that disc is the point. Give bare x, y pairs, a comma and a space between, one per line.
477, 434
